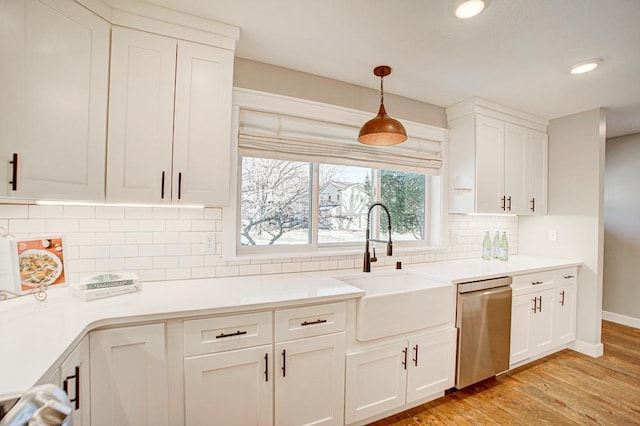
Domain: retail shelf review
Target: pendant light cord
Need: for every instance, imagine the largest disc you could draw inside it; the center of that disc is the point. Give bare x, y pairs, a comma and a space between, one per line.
382, 90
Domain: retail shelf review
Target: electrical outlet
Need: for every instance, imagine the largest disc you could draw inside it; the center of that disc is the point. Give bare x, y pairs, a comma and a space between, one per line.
553, 235
454, 237
209, 242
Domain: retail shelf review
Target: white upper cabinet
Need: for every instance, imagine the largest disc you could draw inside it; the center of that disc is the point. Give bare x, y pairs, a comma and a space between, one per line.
497, 160
54, 62
169, 120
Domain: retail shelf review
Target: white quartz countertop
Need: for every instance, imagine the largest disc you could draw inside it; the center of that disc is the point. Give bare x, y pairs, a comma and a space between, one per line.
36, 336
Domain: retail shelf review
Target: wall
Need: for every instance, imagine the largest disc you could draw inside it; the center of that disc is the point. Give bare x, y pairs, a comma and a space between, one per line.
621, 292
166, 243
576, 184
270, 78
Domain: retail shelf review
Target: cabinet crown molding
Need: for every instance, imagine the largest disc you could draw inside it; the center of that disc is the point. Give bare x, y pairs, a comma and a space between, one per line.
477, 105
160, 20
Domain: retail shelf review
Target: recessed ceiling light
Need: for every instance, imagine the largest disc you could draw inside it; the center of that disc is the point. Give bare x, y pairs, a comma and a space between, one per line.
469, 8
585, 66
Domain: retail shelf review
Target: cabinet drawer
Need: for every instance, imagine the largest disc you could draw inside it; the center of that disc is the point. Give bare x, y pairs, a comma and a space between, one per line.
567, 276
534, 282
297, 323
217, 334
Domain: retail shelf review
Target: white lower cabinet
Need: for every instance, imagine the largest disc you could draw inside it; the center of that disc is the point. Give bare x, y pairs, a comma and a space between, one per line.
309, 381
566, 313
543, 313
129, 376
73, 377
229, 388
390, 376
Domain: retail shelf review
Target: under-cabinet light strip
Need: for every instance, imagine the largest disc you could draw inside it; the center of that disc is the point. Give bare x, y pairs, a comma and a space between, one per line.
94, 204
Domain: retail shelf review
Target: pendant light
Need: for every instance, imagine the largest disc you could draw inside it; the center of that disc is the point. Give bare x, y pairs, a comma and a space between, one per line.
382, 130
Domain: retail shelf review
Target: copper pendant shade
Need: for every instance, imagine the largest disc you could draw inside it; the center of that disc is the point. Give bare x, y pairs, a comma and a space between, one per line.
382, 130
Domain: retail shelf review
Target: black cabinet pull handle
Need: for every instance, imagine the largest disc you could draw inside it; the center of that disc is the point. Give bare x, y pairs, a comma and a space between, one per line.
284, 363
562, 298
237, 333
536, 282
533, 204
566, 277
540, 309
318, 321
504, 203
14, 172
65, 387
180, 186
404, 363
266, 367
535, 304
509, 203
162, 186
415, 360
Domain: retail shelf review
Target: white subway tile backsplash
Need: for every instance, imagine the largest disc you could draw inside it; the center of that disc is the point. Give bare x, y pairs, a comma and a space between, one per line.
109, 212
14, 211
178, 274
94, 225
123, 251
152, 225
167, 243
135, 263
138, 238
203, 272
138, 213
79, 212
124, 225
191, 261
27, 226
166, 237
166, 262
188, 213
110, 264
46, 212
151, 250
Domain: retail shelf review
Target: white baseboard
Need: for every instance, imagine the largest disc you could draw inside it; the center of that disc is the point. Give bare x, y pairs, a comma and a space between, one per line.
621, 319
593, 350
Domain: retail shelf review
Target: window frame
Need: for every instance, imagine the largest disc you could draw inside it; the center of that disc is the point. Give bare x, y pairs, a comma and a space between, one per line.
435, 223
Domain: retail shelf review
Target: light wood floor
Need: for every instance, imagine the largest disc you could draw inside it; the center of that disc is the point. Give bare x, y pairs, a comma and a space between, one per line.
563, 388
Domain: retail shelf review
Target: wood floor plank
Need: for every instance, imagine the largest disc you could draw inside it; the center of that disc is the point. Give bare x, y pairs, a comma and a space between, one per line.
564, 388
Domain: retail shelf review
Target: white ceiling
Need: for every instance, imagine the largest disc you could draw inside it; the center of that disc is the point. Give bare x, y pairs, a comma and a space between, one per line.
516, 53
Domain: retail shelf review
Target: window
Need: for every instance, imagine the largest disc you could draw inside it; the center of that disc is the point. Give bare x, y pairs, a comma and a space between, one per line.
304, 183
277, 206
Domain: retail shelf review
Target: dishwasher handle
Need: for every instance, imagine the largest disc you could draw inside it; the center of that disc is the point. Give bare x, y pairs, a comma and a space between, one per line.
472, 286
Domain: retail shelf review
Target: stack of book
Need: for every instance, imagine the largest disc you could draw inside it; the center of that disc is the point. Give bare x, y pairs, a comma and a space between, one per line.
106, 285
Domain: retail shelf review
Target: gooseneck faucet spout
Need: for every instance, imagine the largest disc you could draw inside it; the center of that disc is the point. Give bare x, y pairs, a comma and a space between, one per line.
367, 256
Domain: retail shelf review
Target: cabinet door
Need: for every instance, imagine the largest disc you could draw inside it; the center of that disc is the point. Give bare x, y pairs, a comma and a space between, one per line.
542, 330
515, 167
566, 314
376, 381
489, 164
309, 384
129, 376
234, 388
537, 170
54, 62
74, 375
140, 116
521, 314
432, 365
202, 129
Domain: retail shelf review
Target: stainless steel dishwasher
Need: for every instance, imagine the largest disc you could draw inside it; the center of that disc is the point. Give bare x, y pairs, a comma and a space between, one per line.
483, 319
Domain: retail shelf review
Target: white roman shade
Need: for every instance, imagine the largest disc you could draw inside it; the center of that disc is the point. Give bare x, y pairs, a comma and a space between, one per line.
284, 137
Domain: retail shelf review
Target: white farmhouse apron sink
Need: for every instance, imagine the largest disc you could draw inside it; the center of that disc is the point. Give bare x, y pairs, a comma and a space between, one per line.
398, 302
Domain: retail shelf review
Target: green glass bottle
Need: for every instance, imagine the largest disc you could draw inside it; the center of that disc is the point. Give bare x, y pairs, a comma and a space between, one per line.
486, 246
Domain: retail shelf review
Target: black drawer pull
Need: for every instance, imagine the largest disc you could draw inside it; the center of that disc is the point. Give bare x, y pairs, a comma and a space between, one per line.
237, 333
266, 367
65, 387
537, 282
319, 321
566, 277
284, 363
415, 360
562, 298
404, 356
14, 172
